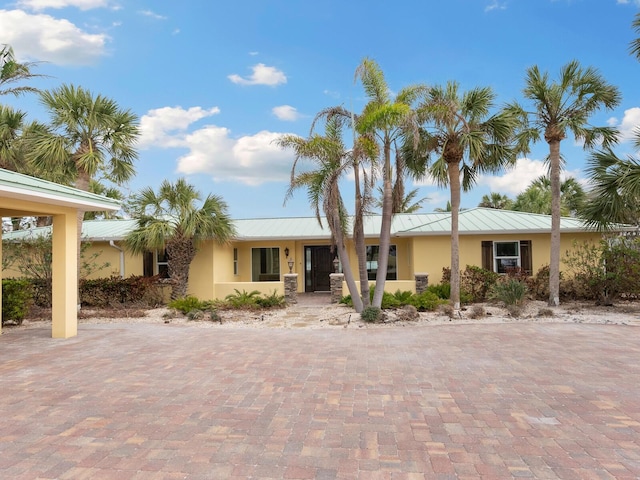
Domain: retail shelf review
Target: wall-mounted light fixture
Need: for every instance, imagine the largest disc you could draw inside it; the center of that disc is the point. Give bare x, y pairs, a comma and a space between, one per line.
286, 252
290, 262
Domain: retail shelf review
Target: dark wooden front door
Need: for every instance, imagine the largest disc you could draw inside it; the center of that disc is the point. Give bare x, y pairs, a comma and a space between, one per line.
318, 265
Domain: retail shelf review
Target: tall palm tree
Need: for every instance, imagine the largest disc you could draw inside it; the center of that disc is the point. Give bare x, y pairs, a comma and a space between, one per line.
177, 220
466, 140
388, 121
497, 201
12, 71
88, 136
560, 107
332, 161
537, 197
407, 204
634, 47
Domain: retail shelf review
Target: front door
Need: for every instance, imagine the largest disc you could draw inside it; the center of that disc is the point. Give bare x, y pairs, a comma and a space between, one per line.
318, 265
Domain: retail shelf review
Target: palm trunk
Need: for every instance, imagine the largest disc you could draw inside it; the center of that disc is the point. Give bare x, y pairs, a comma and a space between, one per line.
454, 185
358, 238
385, 228
554, 261
343, 255
180, 253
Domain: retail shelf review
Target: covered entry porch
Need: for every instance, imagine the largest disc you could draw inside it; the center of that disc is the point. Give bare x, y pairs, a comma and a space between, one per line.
24, 196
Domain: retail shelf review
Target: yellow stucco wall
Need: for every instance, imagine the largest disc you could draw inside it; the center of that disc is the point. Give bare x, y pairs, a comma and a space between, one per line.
432, 253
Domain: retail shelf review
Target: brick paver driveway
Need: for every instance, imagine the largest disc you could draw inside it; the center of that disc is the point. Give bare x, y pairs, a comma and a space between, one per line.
474, 401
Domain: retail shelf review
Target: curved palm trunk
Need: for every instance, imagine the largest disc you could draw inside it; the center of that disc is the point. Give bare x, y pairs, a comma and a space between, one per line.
554, 261
343, 255
181, 252
385, 229
454, 185
358, 238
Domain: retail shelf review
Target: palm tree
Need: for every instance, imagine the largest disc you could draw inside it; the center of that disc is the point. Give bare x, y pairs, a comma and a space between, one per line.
466, 141
387, 121
11, 126
634, 47
407, 204
560, 107
106, 191
497, 201
175, 221
12, 71
615, 189
537, 197
88, 136
332, 161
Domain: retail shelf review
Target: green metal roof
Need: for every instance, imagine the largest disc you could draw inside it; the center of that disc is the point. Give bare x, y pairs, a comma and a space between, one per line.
489, 220
23, 187
472, 221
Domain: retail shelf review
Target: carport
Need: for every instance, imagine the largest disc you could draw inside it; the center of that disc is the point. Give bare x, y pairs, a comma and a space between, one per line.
23, 196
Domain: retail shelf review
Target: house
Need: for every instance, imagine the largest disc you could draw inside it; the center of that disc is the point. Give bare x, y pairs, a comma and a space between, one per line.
21, 195
267, 249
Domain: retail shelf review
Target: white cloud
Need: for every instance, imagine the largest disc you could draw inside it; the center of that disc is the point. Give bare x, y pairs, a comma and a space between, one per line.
516, 179
495, 5
629, 124
44, 38
262, 75
166, 127
151, 14
250, 159
286, 113
38, 5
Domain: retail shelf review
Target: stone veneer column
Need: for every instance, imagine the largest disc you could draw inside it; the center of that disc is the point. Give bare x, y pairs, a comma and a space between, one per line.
291, 288
336, 280
422, 282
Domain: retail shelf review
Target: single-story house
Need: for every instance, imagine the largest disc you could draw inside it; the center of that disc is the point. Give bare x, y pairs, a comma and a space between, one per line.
22, 196
267, 249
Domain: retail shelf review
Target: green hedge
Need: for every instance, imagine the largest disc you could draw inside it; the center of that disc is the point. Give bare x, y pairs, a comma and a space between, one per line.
17, 296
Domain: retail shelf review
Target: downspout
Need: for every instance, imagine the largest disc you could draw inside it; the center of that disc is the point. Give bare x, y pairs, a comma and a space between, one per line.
112, 243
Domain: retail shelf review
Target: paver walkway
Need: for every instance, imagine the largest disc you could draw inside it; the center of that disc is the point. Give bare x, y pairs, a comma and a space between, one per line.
141, 401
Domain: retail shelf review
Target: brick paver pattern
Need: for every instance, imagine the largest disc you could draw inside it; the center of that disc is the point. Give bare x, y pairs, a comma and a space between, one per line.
144, 401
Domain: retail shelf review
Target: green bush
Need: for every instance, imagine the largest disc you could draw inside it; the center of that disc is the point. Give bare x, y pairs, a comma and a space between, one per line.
440, 290
426, 301
243, 299
371, 315
510, 291
17, 296
188, 304
114, 291
273, 300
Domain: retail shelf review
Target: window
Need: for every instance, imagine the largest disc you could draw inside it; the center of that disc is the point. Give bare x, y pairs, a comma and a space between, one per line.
235, 261
506, 255
265, 264
501, 256
155, 263
162, 264
372, 262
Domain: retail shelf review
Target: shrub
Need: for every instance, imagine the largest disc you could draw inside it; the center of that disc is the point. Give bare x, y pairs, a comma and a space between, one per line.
243, 299
477, 311
477, 282
272, 300
440, 290
510, 291
188, 304
426, 301
17, 296
114, 291
371, 315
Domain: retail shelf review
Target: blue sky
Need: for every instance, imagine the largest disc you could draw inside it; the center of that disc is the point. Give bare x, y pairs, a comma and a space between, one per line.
214, 83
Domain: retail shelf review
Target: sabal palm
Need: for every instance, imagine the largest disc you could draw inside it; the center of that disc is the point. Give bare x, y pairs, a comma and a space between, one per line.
537, 197
559, 108
634, 47
11, 127
331, 161
466, 140
615, 189
12, 71
178, 220
497, 201
389, 121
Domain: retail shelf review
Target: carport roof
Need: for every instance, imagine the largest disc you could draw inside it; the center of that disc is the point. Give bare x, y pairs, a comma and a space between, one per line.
23, 187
